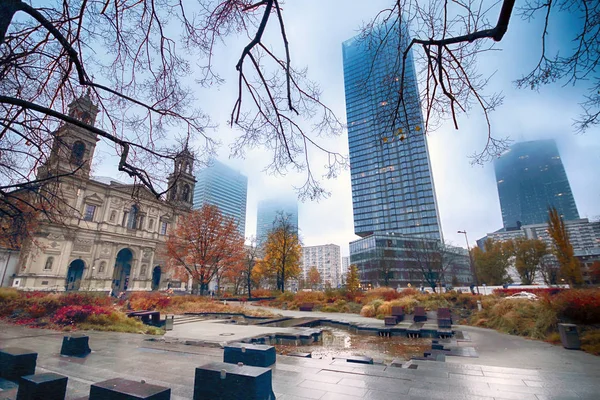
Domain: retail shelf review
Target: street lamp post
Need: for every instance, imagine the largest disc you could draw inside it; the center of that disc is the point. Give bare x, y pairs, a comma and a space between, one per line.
471, 260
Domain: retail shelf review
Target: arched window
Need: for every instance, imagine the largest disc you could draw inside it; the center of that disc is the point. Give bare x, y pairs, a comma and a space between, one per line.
174, 192
102, 267
49, 263
143, 270
113, 216
77, 153
185, 194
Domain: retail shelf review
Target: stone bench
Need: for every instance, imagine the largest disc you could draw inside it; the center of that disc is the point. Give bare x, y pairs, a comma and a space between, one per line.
47, 386
398, 312
390, 321
306, 306
420, 315
222, 381
256, 355
75, 345
16, 362
124, 389
146, 316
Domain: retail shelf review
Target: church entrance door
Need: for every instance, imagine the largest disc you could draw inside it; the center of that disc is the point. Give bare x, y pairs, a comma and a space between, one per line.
122, 271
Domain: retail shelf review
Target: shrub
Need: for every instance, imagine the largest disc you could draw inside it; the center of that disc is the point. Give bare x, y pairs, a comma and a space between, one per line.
8, 294
69, 315
149, 301
536, 291
579, 305
117, 322
368, 311
519, 317
265, 293
408, 303
434, 301
590, 341
384, 293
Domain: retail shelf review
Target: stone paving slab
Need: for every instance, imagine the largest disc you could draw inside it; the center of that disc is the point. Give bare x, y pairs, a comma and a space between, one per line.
133, 357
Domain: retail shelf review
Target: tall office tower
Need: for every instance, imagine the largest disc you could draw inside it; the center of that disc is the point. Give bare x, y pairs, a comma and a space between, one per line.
225, 188
531, 178
326, 259
392, 185
267, 213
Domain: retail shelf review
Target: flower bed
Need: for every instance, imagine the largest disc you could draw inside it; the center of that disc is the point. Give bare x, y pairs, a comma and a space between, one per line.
67, 311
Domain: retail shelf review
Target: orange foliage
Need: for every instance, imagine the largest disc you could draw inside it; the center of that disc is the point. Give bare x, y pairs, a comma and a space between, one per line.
204, 244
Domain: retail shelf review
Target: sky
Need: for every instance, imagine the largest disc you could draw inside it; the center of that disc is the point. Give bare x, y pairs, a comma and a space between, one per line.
467, 196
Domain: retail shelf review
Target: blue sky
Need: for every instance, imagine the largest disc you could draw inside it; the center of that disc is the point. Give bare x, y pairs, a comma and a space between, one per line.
466, 194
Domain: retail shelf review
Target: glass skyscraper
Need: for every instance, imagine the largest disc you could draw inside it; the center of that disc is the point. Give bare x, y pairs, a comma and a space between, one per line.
224, 187
392, 184
530, 178
267, 213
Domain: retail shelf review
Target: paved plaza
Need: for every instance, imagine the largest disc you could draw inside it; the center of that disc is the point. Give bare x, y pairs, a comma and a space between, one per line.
508, 367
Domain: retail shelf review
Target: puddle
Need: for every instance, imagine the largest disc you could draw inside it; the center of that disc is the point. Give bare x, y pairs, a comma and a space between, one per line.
341, 343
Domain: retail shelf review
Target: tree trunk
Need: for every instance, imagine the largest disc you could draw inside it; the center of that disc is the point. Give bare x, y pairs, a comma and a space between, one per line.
195, 285
249, 282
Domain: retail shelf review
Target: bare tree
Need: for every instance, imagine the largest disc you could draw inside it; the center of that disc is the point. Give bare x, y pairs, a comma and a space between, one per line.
432, 260
135, 56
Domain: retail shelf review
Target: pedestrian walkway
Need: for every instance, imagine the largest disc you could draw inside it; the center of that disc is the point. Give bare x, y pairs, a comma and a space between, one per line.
567, 374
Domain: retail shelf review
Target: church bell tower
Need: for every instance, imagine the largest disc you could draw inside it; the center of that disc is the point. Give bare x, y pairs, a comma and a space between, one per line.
181, 182
73, 146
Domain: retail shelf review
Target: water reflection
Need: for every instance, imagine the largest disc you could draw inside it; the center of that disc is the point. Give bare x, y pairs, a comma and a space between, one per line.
341, 343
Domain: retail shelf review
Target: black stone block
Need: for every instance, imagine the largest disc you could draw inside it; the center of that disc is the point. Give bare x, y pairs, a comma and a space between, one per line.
75, 345
358, 359
123, 389
256, 355
16, 362
222, 381
445, 323
391, 320
47, 386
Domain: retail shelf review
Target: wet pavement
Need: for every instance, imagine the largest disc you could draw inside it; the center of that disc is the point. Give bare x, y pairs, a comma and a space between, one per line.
341, 343
508, 368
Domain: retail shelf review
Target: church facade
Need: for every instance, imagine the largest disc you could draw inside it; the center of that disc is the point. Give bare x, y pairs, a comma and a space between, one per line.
111, 236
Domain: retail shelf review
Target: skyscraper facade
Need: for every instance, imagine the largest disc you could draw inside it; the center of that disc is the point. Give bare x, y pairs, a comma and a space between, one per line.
530, 178
267, 213
392, 184
224, 187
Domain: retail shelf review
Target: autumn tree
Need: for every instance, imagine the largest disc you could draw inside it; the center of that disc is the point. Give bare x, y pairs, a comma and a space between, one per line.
595, 272
283, 251
204, 244
352, 279
313, 277
491, 263
528, 254
570, 267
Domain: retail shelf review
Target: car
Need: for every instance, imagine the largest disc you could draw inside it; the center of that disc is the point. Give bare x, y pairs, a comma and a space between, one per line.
523, 295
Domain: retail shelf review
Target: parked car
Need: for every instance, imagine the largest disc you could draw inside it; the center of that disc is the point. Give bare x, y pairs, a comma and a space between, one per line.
523, 295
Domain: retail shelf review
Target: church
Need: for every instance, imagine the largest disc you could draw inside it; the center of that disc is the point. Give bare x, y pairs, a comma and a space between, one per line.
111, 236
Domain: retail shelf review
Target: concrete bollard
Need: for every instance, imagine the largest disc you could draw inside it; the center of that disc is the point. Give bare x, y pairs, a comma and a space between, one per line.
479, 307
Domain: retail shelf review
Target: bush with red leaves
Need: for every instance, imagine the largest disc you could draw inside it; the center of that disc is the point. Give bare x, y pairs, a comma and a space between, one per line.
69, 315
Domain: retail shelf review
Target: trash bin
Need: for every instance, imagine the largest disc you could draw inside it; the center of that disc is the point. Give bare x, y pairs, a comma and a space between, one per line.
569, 336
169, 323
